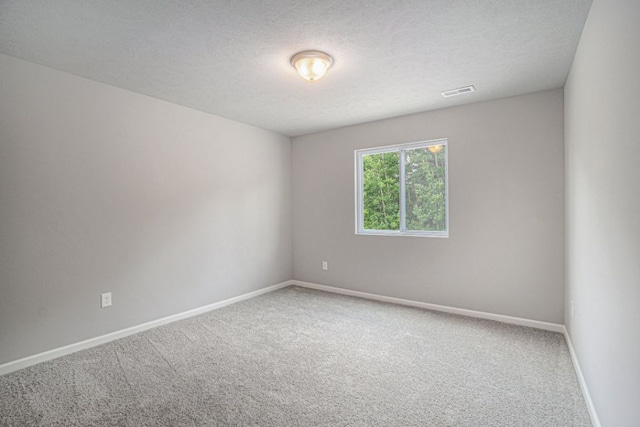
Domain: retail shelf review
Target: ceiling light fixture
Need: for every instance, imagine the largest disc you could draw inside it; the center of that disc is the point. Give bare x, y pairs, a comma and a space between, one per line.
311, 64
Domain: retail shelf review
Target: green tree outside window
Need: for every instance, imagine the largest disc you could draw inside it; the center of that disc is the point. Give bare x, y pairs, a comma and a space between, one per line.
418, 170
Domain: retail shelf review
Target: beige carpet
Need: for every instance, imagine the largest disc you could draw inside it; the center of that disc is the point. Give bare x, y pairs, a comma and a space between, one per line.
298, 357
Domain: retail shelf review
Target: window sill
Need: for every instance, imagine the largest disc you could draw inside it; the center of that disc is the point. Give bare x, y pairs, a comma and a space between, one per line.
438, 234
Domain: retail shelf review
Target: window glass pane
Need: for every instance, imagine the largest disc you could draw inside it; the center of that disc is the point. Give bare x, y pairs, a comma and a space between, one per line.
381, 191
425, 188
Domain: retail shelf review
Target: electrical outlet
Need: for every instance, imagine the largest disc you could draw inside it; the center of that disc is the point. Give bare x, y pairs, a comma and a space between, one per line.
325, 265
572, 309
105, 300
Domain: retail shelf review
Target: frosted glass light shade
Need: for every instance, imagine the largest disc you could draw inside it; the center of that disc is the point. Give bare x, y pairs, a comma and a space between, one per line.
311, 64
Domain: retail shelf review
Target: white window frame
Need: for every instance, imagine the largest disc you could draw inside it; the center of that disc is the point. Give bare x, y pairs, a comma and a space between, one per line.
401, 148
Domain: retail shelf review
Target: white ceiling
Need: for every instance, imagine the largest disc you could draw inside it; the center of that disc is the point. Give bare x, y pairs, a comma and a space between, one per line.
231, 58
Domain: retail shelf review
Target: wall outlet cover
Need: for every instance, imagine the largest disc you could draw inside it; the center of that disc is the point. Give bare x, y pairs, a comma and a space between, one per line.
105, 300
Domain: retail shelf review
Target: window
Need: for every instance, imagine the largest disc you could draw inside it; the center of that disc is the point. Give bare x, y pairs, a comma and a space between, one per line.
402, 190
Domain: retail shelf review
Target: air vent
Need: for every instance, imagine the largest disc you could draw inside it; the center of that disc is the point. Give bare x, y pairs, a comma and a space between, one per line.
459, 91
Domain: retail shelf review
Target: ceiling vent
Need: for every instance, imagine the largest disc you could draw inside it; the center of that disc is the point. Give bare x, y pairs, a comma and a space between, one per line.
459, 91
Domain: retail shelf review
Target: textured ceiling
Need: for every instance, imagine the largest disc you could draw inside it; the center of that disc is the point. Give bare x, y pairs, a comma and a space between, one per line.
231, 58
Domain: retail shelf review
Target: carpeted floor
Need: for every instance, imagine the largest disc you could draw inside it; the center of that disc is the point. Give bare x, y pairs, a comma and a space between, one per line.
298, 357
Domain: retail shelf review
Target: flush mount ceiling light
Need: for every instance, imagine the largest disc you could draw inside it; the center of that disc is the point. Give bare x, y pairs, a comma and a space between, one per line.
311, 64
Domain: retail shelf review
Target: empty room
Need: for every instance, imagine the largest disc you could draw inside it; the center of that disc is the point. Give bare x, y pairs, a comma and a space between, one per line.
333, 213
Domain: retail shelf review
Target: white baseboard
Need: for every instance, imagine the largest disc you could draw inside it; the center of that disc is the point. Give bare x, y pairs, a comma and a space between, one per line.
92, 342
583, 385
555, 327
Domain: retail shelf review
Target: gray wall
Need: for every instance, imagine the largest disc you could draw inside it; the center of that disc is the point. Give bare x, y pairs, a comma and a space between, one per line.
505, 253
106, 190
602, 114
